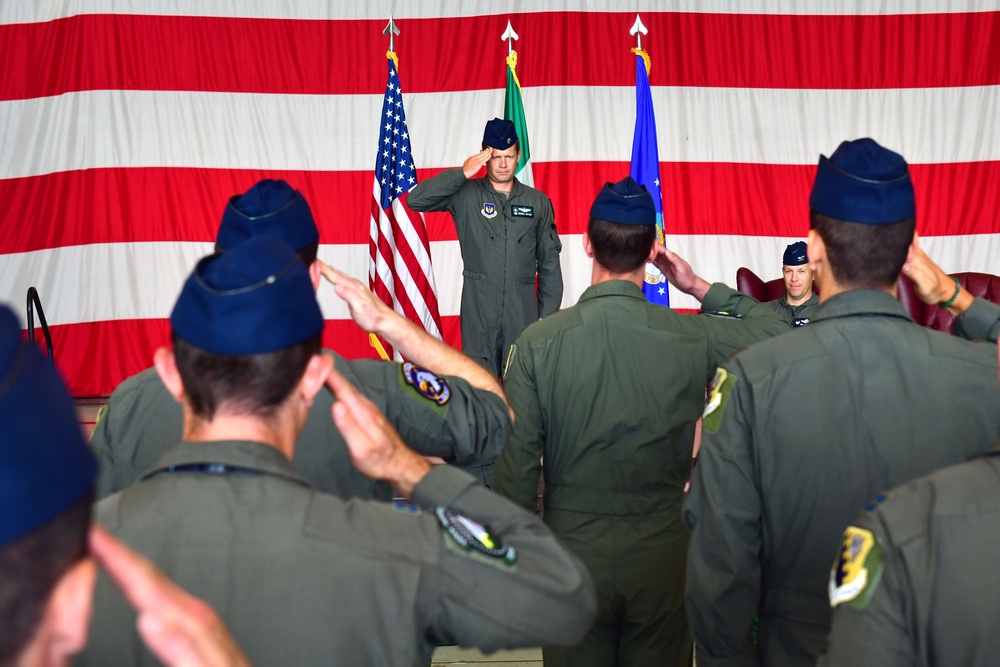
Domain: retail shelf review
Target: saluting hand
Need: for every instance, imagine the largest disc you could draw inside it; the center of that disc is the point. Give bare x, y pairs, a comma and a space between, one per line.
932, 284
180, 629
376, 449
367, 310
679, 273
474, 163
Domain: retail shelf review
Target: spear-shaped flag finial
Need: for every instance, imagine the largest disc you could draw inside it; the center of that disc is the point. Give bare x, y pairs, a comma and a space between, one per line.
509, 35
638, 29
392, 31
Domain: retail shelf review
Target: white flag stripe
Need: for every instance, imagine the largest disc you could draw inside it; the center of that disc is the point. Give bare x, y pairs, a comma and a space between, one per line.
142, 280
405, 279
31, 11
114, 128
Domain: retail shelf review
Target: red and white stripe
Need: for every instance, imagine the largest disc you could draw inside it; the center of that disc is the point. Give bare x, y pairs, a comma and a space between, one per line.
129, 123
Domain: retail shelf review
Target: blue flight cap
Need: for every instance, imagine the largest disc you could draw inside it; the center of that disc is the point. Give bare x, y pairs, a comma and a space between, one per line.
255, 298
45, 464
625, 202
500, 134
795, 254
863, 182
269, 208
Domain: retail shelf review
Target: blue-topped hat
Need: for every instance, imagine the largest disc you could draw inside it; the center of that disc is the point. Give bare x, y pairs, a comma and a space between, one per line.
45, 464
500, 134
863, 182
625, 202
256, 297
795, 254
269, 208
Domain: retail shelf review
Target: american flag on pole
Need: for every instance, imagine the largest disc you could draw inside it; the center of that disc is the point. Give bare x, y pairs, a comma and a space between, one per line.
400, 272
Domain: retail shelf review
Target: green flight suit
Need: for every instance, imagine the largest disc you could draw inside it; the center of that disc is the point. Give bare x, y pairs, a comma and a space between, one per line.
609, 391
305, 578
142, 420
917, 584
799, 315
505, 241
809, 428
980, 321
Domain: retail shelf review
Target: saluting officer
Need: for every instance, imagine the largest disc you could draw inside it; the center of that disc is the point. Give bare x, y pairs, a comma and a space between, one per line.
807, 428
300, 577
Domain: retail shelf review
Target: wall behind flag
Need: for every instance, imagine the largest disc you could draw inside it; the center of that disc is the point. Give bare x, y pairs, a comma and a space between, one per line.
128, 124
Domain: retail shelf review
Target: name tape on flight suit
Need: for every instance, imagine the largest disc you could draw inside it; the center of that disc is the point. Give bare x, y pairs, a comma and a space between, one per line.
522, 211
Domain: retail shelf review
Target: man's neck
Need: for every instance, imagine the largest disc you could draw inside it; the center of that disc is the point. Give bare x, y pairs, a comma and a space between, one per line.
502, 187
275, 432
831, 288
798, 302
599, 274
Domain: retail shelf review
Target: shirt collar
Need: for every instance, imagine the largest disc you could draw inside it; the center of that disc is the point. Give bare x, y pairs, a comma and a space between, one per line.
860, 302
613, 288
244, 454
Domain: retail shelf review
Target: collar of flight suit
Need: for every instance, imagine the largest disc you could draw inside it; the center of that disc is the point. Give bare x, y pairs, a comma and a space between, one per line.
861, 302
613, 288
811, 301
243, 454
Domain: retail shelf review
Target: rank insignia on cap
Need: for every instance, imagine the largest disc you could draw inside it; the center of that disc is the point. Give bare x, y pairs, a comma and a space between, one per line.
489, 210
426, 384
857, 570
718, 397
475, 538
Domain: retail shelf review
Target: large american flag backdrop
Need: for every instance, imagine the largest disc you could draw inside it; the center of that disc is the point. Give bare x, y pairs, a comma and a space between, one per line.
126, 125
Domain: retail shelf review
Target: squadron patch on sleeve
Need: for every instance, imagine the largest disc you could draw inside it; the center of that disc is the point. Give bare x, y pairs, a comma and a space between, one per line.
473, 538
718, 398
421, 382
858, 569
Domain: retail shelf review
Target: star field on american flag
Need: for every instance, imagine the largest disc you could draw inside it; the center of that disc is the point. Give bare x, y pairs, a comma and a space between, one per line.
394, 167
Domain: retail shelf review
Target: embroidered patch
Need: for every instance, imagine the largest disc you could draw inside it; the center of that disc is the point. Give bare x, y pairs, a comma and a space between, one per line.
510, 357
475, 538
800, 321
522, 211
857, 570
718, 398
489, 210
426, 384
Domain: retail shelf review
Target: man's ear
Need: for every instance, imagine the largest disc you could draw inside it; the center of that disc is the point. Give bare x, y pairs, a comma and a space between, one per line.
652, 252
587, 248
67, 613
315, 273
166, 368
914, 247
315, 376
815, 250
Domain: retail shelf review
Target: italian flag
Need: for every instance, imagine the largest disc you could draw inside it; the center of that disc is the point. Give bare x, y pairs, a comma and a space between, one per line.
513, 110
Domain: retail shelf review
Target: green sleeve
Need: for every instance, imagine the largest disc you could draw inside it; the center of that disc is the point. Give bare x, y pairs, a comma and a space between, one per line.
750, 321
435, 194
980, 321
545, 597
547, 249
456, 422
724, 511
519, 465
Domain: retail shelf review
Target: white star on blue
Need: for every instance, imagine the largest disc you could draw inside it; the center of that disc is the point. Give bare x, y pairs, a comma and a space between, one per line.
394, 160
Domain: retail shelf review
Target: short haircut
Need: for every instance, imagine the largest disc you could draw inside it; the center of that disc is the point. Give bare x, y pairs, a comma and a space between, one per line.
30, 568
620, 248
864, 256
306, 255
516, 146
247, 384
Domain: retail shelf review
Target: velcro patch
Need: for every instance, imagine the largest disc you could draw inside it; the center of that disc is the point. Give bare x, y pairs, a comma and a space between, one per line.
425, 384
718, 398
522, 211
858, 569
474, 538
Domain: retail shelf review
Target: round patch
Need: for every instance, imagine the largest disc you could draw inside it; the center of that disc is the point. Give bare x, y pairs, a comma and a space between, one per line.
427, 384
